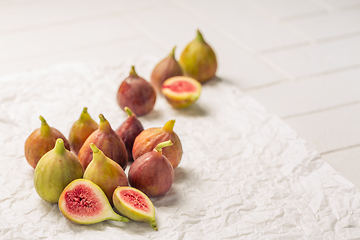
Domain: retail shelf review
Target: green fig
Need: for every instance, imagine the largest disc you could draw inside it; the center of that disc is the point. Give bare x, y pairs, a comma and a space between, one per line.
135, 205
166, 68
198, 60
55, 170
83, 202
42, 140
105, 173
81, 130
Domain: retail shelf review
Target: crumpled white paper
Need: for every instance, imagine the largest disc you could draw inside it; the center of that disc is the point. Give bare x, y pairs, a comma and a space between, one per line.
244, 173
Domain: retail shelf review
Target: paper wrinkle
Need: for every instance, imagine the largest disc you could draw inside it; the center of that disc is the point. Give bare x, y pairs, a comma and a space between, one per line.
244, 173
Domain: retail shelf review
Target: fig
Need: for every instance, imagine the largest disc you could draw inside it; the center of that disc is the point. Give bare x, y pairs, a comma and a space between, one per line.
107, 140
148, 139
81, 130
42, 140
137, 94
55, 170
83, 202
166, 68
105, 173
129, 130
135, 205
181, 91
152, 173
198, 60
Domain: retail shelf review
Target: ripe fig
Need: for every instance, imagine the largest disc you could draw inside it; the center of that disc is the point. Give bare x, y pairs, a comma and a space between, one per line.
152, 172
107, 140
55, 170
83, 202
181, 91
81, 130
129, 130
137, 94
135, 205
166, 68
42, 140
105, 173
148, 139
198, 60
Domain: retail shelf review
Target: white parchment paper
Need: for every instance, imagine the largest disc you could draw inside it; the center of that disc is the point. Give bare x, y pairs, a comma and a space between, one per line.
244, 173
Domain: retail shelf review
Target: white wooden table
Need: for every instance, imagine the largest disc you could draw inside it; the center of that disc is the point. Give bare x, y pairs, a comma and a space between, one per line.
299, 58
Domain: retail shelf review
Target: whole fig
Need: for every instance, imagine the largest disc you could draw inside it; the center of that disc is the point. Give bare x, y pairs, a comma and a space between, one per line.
198, 60
148, 139
166, 68
137, 94
42, 140
105, 173
81, 130
152, 173
107, 140
55, 170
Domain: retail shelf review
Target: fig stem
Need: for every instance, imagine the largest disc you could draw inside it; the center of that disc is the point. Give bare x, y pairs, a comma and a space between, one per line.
161, 145
94, 148
133, 72
199, 36
104, 124
84, 115
45, 128
128, 111
154, 225
59, 146
172, 53
169, 125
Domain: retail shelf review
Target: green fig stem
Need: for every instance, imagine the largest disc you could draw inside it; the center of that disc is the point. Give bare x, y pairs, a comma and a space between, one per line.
128, 111
59, 146
161, 145
172, 54
104, 125
45, 128
85, 115
169, 125
199, 36
154, 225
94, 148
133, 72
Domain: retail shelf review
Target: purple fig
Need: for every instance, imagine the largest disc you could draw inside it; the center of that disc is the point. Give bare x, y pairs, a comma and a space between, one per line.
81, 130
152, 172
107, 140
166, 68
42, 140
129, 130
137, 94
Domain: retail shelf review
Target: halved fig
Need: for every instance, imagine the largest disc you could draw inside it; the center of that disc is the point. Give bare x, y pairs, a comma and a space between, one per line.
135, 205
83, 202
181, 91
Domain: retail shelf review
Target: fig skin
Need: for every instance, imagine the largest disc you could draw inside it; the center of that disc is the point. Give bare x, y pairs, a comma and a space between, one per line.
198, 60
42, 140
152, 173
129, 130
181, 92
135, 205
107, 140
81, 130
148, 139
55, 170
83, 202
166, 68
105, 173
137, 94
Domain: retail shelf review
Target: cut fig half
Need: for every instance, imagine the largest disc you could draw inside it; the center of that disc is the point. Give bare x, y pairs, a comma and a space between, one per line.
181, 91
83, 202
135, 205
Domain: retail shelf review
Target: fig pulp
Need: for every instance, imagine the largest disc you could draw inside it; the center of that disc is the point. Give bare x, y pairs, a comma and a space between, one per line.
55, 170
107, 140
166, 68
81, 130
148, 139
152, 172
198, 60
181, 91
83, 202
137, 94
129, 130
105, 173
41, 141
135, 205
